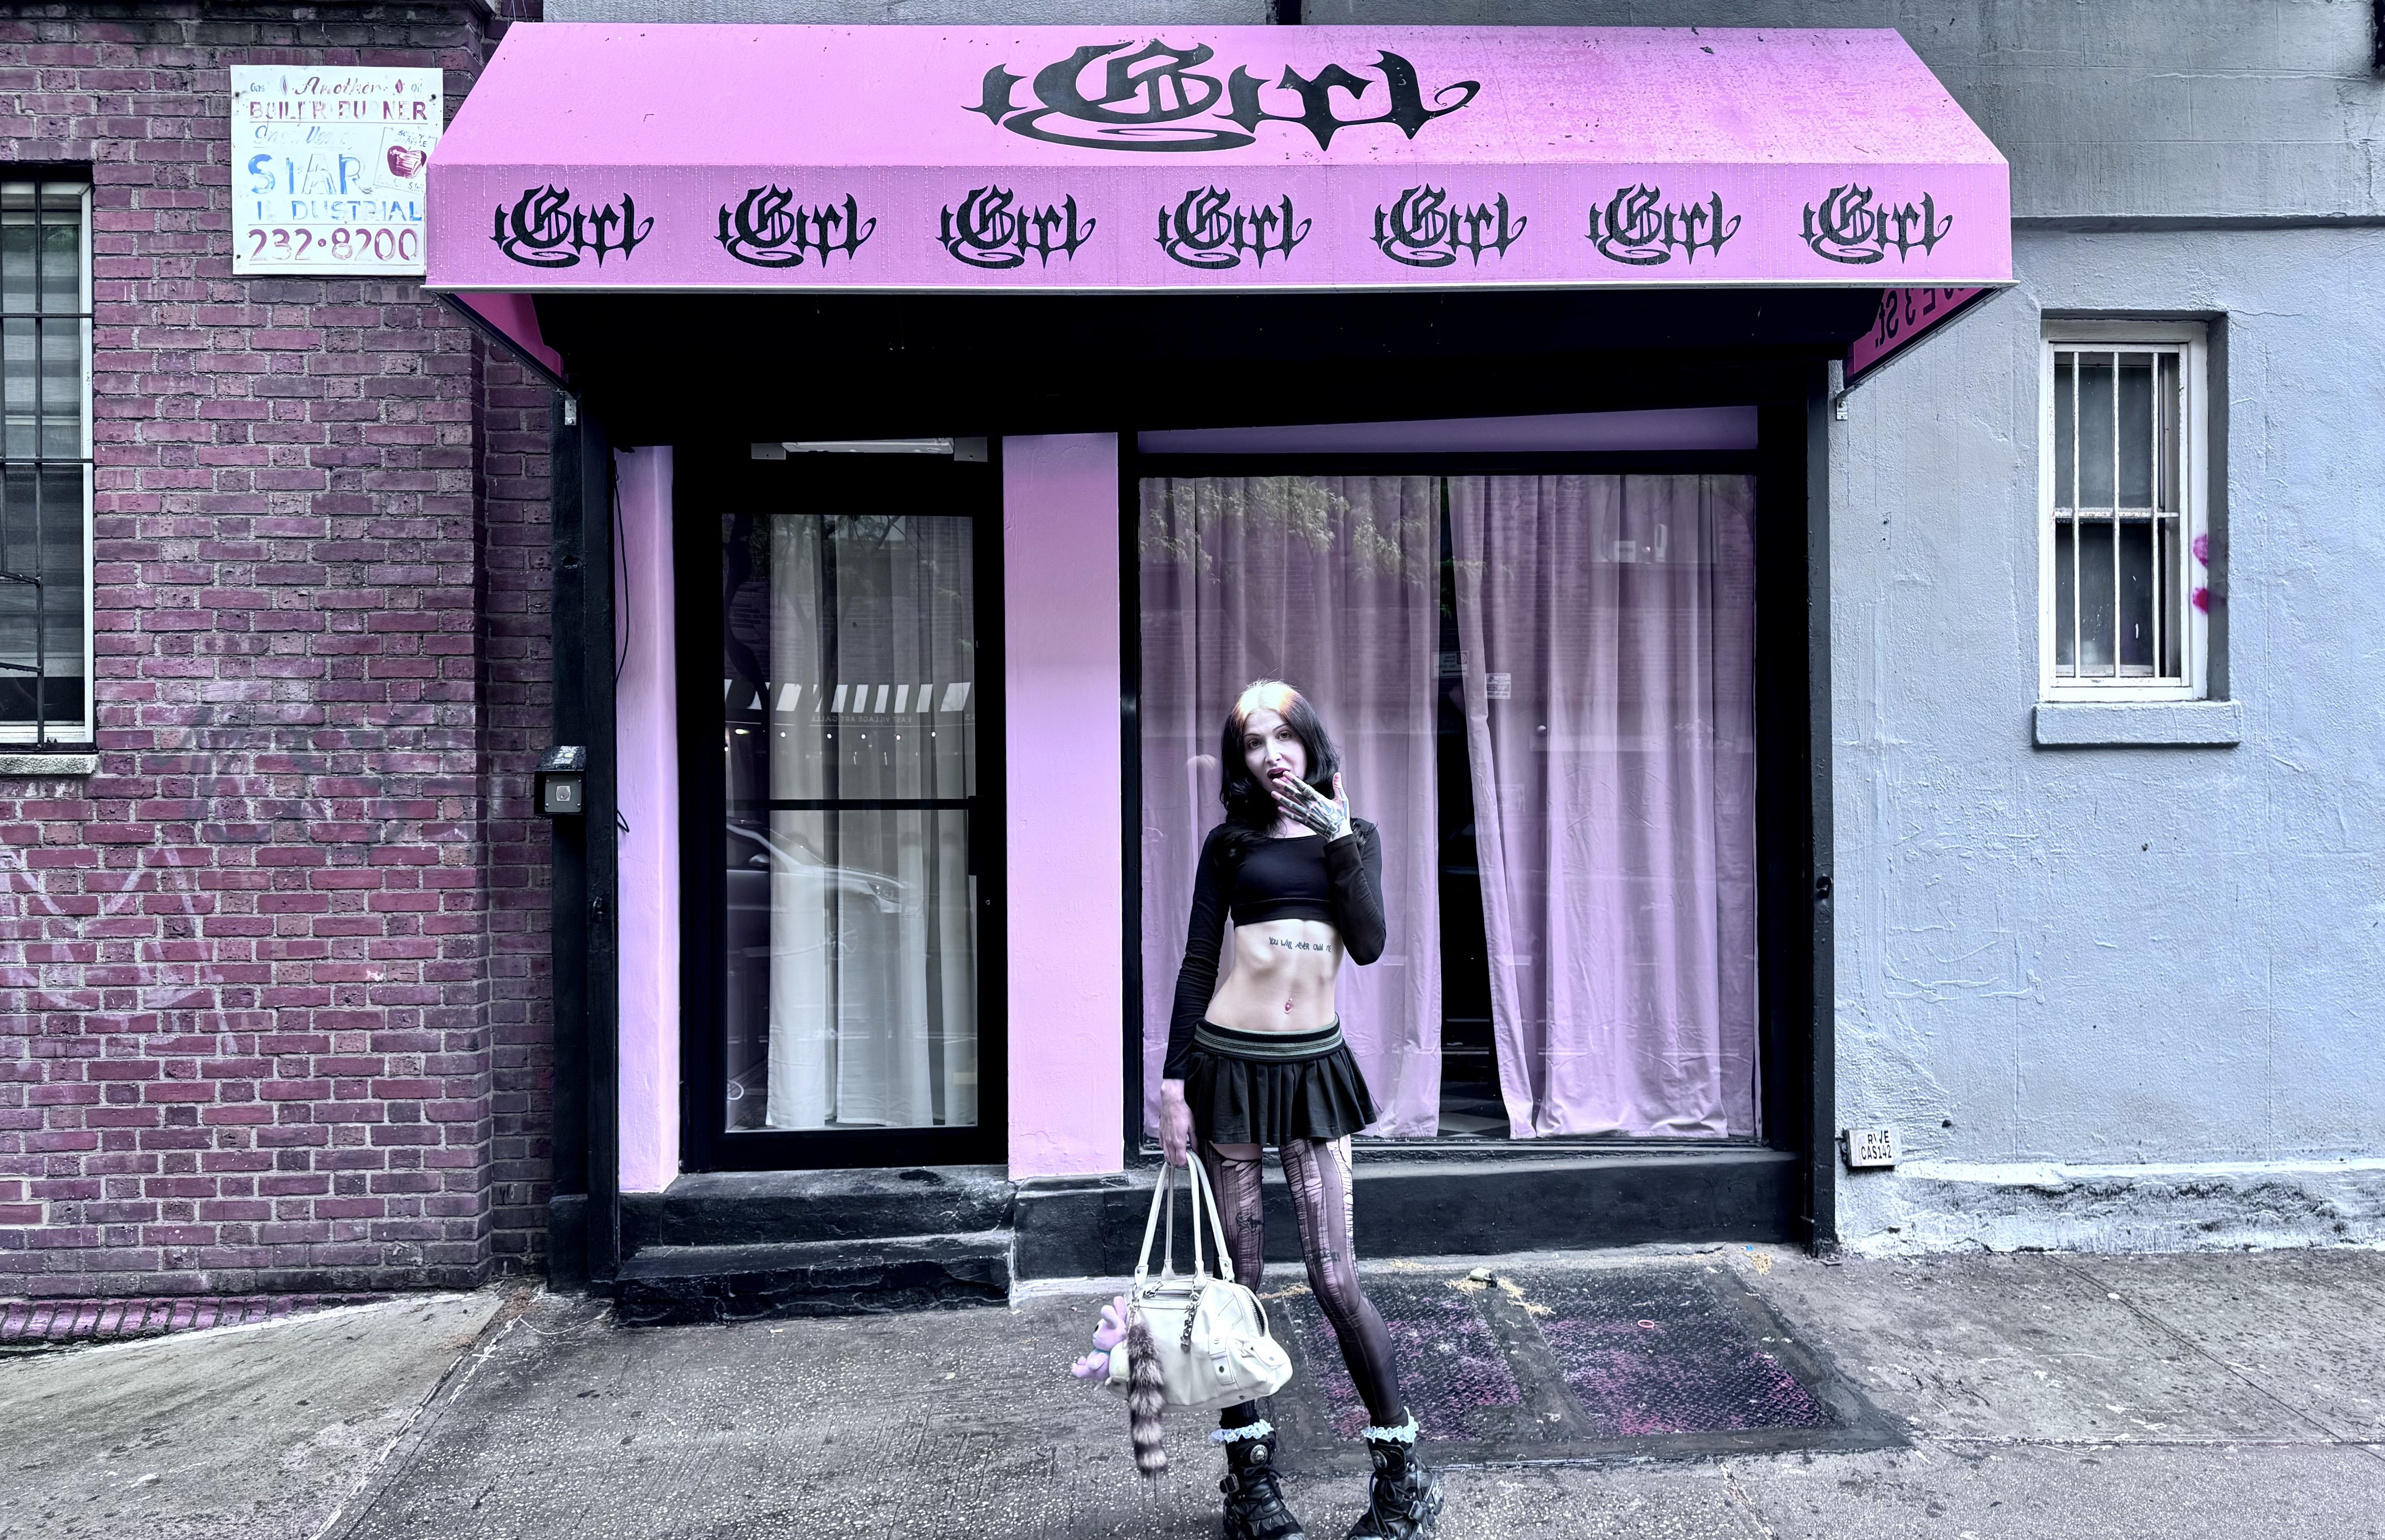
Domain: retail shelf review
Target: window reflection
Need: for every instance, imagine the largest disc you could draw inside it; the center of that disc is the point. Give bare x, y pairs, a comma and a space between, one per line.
849, 706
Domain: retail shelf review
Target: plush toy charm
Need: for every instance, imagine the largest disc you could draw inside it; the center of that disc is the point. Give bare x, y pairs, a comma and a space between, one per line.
1095, 1365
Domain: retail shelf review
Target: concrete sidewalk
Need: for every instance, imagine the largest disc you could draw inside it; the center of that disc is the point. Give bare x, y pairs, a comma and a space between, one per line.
2039, 1397
258, 1431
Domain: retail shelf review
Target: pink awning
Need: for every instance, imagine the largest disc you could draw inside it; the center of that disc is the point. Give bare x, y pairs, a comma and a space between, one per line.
918, 158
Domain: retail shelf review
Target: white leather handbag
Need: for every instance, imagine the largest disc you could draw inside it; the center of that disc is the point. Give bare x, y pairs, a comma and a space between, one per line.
1209, 1333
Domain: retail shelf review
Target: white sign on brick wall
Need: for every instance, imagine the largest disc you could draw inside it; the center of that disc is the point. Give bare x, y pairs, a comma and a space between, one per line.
327, 167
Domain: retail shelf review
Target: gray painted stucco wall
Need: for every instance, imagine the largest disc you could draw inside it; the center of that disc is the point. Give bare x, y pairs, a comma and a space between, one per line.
2104, 107
2132, 957
2110, 998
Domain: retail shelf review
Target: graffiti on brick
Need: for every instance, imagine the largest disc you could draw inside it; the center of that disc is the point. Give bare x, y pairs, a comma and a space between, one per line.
992, 229
1423, 228
1156, 98
1637, 227
1847, 226
545, 229
769, 228
1205, 229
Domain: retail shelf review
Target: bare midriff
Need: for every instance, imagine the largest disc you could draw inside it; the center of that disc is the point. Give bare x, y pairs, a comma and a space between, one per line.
1282, 978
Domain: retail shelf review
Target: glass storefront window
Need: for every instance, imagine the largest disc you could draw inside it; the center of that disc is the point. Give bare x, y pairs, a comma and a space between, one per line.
1543, 690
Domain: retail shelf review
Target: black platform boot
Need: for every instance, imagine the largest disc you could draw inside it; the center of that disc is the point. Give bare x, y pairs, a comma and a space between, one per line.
1405, 1498
1254, 1507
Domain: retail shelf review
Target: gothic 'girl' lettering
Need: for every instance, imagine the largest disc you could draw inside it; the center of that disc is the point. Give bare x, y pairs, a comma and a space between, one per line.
769, 229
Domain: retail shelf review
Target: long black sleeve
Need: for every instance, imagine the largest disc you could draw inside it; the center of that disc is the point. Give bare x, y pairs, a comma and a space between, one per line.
1196, 980
1355, 863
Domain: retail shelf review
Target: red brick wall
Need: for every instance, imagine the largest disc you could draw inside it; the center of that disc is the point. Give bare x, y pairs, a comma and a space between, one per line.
273, 1012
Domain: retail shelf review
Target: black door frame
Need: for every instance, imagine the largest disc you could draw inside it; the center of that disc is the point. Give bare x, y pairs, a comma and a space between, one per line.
710, 475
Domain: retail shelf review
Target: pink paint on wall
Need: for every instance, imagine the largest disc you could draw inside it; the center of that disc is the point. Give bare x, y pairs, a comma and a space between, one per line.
1060, 610
646, 740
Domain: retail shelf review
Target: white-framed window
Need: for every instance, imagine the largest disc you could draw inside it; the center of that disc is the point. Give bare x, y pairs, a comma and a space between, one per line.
45, 483
2124, 567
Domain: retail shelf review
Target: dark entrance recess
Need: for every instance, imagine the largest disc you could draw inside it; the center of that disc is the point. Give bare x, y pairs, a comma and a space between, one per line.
714, 373
1469, 1067
661, 369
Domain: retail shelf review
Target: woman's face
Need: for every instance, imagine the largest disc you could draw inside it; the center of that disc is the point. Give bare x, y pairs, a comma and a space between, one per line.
1271, 748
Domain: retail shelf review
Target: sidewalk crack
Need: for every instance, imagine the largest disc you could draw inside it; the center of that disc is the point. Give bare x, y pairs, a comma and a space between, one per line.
1740, 1499
2331, 1435
398, 1452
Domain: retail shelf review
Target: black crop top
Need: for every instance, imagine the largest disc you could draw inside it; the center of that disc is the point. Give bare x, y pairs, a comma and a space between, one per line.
1340, 881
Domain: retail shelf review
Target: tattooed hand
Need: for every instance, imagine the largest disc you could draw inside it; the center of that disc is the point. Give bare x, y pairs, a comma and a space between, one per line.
1305, 804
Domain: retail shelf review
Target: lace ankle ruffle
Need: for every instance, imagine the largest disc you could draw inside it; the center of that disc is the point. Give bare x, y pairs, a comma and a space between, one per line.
1260, 1429
1407, 1434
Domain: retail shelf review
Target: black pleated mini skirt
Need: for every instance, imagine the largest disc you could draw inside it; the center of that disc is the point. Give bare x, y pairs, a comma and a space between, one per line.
1266, 1087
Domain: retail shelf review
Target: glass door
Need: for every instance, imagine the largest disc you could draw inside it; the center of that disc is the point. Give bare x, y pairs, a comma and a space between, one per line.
851, 881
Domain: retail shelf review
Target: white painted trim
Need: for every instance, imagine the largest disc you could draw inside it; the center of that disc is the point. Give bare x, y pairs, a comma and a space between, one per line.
2191, 339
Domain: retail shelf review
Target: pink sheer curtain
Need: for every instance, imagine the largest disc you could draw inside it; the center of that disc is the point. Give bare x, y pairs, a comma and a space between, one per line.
1606, 636
1332, 584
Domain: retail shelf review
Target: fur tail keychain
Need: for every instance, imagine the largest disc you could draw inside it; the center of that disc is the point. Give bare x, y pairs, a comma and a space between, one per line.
1145, 1384
1146, 1397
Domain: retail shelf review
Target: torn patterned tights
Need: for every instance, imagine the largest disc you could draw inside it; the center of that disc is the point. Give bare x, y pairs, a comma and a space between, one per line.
1318, 1170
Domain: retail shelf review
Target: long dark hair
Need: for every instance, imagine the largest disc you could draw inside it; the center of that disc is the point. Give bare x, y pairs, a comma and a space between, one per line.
1251, 809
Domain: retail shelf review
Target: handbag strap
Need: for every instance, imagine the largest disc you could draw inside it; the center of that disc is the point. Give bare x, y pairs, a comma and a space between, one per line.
1161, 1191
1163, 1201
1202, 1192
1163, 1194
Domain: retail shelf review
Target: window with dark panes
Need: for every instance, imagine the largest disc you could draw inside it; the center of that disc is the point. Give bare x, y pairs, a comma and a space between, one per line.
2126, 565
44, 460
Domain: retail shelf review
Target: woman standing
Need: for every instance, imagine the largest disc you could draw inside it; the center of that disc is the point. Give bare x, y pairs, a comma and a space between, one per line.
1259, 1060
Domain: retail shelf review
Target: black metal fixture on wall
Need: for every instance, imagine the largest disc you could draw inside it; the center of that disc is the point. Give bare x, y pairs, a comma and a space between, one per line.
562, 782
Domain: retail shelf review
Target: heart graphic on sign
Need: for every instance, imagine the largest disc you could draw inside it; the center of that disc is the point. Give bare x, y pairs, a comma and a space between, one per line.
405, 161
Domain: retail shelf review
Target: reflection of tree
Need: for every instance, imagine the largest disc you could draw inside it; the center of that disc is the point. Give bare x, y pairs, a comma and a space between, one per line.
1185, 522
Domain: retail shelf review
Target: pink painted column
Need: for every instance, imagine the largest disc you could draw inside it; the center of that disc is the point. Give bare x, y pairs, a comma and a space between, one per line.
646, 741
1060, 610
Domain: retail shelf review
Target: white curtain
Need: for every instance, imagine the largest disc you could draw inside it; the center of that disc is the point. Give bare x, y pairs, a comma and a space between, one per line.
873, 956
1606, 632
1330, 583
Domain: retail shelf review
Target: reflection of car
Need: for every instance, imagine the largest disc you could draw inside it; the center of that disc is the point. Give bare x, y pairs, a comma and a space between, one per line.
856, 913
756, 853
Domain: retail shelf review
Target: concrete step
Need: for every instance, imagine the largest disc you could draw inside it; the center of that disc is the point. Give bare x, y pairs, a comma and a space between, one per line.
716, 1209
669, 1286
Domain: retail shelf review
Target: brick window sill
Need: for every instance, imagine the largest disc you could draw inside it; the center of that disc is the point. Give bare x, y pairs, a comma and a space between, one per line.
47, 766
2140, 724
